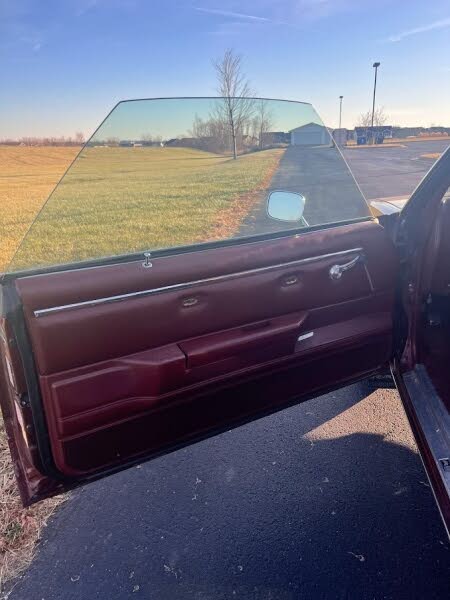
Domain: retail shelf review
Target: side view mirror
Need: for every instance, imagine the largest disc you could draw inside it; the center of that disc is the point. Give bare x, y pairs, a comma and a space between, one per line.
286, 206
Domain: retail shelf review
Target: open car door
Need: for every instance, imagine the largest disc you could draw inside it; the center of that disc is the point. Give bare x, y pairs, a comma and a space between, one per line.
422, 354
168, 290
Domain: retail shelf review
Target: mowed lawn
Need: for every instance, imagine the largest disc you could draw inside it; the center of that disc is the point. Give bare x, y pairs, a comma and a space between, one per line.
27, 176
120, 200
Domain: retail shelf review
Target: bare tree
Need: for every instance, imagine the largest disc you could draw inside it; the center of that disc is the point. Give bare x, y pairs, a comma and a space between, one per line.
263, 121
200, 128
213, 133
364, 119
234, 87
79, 138
379, 118
147, 139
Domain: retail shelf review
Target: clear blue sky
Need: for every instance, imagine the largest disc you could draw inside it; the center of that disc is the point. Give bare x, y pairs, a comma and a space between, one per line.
65, 63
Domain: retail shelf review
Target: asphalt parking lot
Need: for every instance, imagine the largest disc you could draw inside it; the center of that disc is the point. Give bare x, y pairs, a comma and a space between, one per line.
326, 500
392, 171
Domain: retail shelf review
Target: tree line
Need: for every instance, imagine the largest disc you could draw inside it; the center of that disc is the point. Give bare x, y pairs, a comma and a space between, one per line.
77, 140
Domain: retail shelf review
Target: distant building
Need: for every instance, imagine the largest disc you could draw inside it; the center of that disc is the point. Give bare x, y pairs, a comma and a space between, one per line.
207, 143
151, 143
435, 130
311, 134
275, 137
340, 136
184, 142
377, 132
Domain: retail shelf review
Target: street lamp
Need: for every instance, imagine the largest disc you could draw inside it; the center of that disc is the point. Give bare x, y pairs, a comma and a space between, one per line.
340, 111
375, 66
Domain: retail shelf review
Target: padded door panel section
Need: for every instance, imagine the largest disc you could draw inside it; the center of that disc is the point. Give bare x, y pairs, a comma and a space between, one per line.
88, 398
280, 334
116, 344
154, 432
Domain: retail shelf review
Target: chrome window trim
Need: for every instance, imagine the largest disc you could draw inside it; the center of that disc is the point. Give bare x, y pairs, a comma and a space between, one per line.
189, 284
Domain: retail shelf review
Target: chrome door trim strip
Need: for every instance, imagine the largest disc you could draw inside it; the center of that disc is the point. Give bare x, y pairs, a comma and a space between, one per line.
189, 284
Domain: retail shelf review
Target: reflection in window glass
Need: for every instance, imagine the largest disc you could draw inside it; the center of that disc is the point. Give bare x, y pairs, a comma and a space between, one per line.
174, 172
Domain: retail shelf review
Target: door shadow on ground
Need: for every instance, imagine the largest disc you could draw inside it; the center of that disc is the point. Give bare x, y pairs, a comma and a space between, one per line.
256, 513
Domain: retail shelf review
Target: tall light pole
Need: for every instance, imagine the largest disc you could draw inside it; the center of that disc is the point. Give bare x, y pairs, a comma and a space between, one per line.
340, 111
375, 66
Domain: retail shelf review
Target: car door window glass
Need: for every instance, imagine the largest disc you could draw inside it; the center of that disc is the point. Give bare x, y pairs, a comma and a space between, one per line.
165, 173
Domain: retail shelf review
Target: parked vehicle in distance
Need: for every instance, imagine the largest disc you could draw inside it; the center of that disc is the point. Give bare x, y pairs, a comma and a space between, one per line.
203, 263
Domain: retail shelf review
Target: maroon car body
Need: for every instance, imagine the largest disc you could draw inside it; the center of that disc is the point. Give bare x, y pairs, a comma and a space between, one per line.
109, 364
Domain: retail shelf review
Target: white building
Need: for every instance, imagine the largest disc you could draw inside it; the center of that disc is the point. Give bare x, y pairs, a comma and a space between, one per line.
311, 134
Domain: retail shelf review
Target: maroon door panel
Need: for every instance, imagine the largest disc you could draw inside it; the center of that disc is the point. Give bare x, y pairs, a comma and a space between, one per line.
153, 432
130, 358
276, 336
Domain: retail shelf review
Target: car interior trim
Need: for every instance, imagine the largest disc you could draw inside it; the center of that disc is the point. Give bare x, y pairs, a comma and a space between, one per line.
189, 284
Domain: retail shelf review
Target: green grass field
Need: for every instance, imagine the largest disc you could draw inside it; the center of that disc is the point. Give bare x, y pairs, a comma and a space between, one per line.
120, 200
27, 176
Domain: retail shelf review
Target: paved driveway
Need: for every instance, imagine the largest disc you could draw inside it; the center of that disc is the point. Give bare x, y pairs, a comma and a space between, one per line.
321, 175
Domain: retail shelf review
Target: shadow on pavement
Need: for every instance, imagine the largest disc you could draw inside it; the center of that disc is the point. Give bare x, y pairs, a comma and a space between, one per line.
260, 513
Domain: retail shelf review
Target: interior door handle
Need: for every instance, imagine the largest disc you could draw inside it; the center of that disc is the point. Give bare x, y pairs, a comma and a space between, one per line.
337, 270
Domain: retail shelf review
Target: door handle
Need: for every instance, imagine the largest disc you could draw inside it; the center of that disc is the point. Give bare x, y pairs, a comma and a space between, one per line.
337, 270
